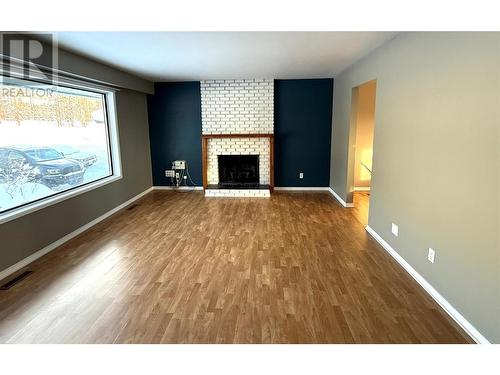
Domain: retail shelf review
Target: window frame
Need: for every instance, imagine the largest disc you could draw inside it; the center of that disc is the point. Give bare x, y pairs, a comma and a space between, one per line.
109, 99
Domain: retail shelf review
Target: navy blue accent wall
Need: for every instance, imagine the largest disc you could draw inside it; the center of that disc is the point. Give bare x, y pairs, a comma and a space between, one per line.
302, 131
175, 128
302, 127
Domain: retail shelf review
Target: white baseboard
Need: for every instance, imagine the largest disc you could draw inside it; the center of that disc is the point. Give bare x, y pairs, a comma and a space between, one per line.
47, 249
450, 310
300, 188
177, 188
362, 188
341, 201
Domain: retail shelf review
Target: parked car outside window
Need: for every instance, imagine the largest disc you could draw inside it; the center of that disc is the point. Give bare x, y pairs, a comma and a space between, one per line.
39, 164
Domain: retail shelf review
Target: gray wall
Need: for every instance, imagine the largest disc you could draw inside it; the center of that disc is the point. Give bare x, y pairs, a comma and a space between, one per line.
71, 63
436, 166
22, 237
77, 66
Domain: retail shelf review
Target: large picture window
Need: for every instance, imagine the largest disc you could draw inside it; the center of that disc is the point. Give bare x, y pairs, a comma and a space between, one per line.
53, 140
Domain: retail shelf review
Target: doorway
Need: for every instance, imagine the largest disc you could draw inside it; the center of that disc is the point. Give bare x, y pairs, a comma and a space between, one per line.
361, 150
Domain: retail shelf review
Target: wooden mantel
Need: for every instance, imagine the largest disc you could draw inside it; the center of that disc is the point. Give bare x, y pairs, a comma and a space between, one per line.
204, 153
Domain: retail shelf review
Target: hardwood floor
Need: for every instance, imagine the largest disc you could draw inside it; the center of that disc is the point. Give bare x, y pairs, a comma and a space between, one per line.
361, 206
181, 268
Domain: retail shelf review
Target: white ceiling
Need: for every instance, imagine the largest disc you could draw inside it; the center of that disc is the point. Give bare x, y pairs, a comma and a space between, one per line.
185, 56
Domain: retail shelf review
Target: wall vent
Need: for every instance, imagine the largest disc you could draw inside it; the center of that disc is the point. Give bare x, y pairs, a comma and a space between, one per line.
15, 280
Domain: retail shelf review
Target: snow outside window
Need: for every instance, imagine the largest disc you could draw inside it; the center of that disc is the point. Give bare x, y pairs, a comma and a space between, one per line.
53, 140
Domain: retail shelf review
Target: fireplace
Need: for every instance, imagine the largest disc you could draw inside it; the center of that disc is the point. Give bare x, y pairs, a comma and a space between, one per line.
238, 171
237, 118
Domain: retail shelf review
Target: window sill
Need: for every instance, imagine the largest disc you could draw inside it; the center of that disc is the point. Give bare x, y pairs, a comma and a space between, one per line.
22, 211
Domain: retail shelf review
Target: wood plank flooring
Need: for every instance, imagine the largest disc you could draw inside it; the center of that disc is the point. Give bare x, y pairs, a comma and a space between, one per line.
361, 206
182, 268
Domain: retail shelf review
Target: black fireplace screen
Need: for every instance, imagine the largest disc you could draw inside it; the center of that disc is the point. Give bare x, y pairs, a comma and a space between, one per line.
238, 170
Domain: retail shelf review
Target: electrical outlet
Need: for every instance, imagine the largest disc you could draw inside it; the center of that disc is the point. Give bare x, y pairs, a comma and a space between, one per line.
395, 229
431, 255
177, 175
301, 175
169, 173
179, 164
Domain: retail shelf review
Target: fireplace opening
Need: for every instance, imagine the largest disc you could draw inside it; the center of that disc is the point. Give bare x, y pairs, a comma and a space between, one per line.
238, 171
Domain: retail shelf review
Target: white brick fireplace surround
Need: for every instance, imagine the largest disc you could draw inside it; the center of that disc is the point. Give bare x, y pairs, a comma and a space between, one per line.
237, 107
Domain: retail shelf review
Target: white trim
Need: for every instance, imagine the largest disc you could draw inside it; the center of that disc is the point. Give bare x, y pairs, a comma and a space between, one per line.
177, 188
113, 133
362, 188
450, 310
49, 201
341, 201
54, 245
300, 188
